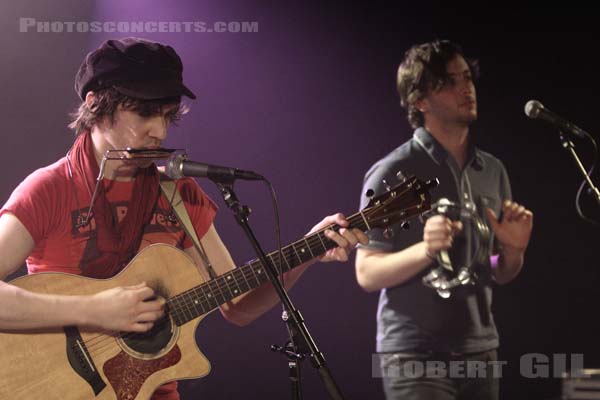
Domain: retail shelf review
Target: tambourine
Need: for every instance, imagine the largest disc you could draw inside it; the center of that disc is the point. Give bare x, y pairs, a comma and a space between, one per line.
448, 275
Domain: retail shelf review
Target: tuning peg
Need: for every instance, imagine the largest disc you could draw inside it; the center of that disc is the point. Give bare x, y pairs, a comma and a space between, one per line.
432, 183
388, 233
387, 185
443, 205
401, 176
405, 225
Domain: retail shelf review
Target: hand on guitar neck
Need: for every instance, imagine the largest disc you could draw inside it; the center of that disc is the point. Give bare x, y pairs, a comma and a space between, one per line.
346, 239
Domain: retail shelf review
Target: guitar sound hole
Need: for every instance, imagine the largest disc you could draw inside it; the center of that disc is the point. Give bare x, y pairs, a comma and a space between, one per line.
153, 341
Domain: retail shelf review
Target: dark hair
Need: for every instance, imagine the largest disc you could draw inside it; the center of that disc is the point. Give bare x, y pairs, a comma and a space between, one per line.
107, 101
424, 70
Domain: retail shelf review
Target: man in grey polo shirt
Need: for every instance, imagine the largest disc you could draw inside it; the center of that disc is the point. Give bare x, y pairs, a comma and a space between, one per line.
416, 328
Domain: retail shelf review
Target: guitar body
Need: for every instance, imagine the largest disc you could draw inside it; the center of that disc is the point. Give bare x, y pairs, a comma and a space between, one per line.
36, 365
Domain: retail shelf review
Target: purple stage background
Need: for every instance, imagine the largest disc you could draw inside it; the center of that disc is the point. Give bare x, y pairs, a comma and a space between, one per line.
309, 101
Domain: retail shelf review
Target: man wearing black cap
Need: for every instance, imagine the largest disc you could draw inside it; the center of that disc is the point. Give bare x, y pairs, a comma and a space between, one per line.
131, 91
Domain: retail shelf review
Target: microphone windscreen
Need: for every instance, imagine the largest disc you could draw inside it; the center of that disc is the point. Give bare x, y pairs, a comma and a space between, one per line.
532, 108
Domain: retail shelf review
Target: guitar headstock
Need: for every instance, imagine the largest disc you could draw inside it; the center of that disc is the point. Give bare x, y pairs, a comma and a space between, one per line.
399, 203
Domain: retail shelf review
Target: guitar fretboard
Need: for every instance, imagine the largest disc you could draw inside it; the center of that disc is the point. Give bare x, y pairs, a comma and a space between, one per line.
204, 298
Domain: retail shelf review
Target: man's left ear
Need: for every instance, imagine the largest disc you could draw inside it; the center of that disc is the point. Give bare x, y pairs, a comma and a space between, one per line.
422, 105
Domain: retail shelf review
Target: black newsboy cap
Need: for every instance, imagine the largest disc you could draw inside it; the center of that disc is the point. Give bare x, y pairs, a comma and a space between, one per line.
135, 67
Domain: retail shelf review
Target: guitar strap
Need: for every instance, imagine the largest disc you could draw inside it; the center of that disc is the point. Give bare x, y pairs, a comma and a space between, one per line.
169, 189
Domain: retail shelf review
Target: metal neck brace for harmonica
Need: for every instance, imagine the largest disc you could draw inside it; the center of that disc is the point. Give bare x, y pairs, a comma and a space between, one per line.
128, 154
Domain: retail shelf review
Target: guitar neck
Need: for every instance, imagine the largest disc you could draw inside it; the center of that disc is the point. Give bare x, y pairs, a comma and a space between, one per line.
204, 298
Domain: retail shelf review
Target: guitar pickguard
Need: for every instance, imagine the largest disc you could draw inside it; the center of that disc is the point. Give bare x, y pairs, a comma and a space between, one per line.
127, 374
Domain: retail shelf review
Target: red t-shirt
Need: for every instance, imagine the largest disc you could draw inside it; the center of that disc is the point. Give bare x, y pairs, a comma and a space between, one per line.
49, 204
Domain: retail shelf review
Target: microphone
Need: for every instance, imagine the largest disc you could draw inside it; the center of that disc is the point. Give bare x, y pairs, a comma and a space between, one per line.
178, 167
534, 109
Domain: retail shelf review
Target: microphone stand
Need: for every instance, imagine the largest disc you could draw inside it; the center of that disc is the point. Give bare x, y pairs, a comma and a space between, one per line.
568, 145
295, 320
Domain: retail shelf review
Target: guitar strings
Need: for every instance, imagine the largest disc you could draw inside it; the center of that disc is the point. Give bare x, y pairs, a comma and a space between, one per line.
180, 305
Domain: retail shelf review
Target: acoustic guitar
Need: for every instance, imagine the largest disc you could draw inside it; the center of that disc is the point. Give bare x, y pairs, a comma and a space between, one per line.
75, 363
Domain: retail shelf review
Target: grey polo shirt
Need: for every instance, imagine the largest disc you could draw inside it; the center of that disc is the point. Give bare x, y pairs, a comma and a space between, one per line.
411, 316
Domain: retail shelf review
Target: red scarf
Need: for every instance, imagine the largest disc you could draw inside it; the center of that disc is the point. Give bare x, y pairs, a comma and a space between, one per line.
116, 242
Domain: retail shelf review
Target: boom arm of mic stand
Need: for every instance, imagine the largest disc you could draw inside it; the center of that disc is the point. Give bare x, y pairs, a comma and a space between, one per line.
570, 147
295, 318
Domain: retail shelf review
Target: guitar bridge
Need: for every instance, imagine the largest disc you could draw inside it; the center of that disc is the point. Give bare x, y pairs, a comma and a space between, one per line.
81, 361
